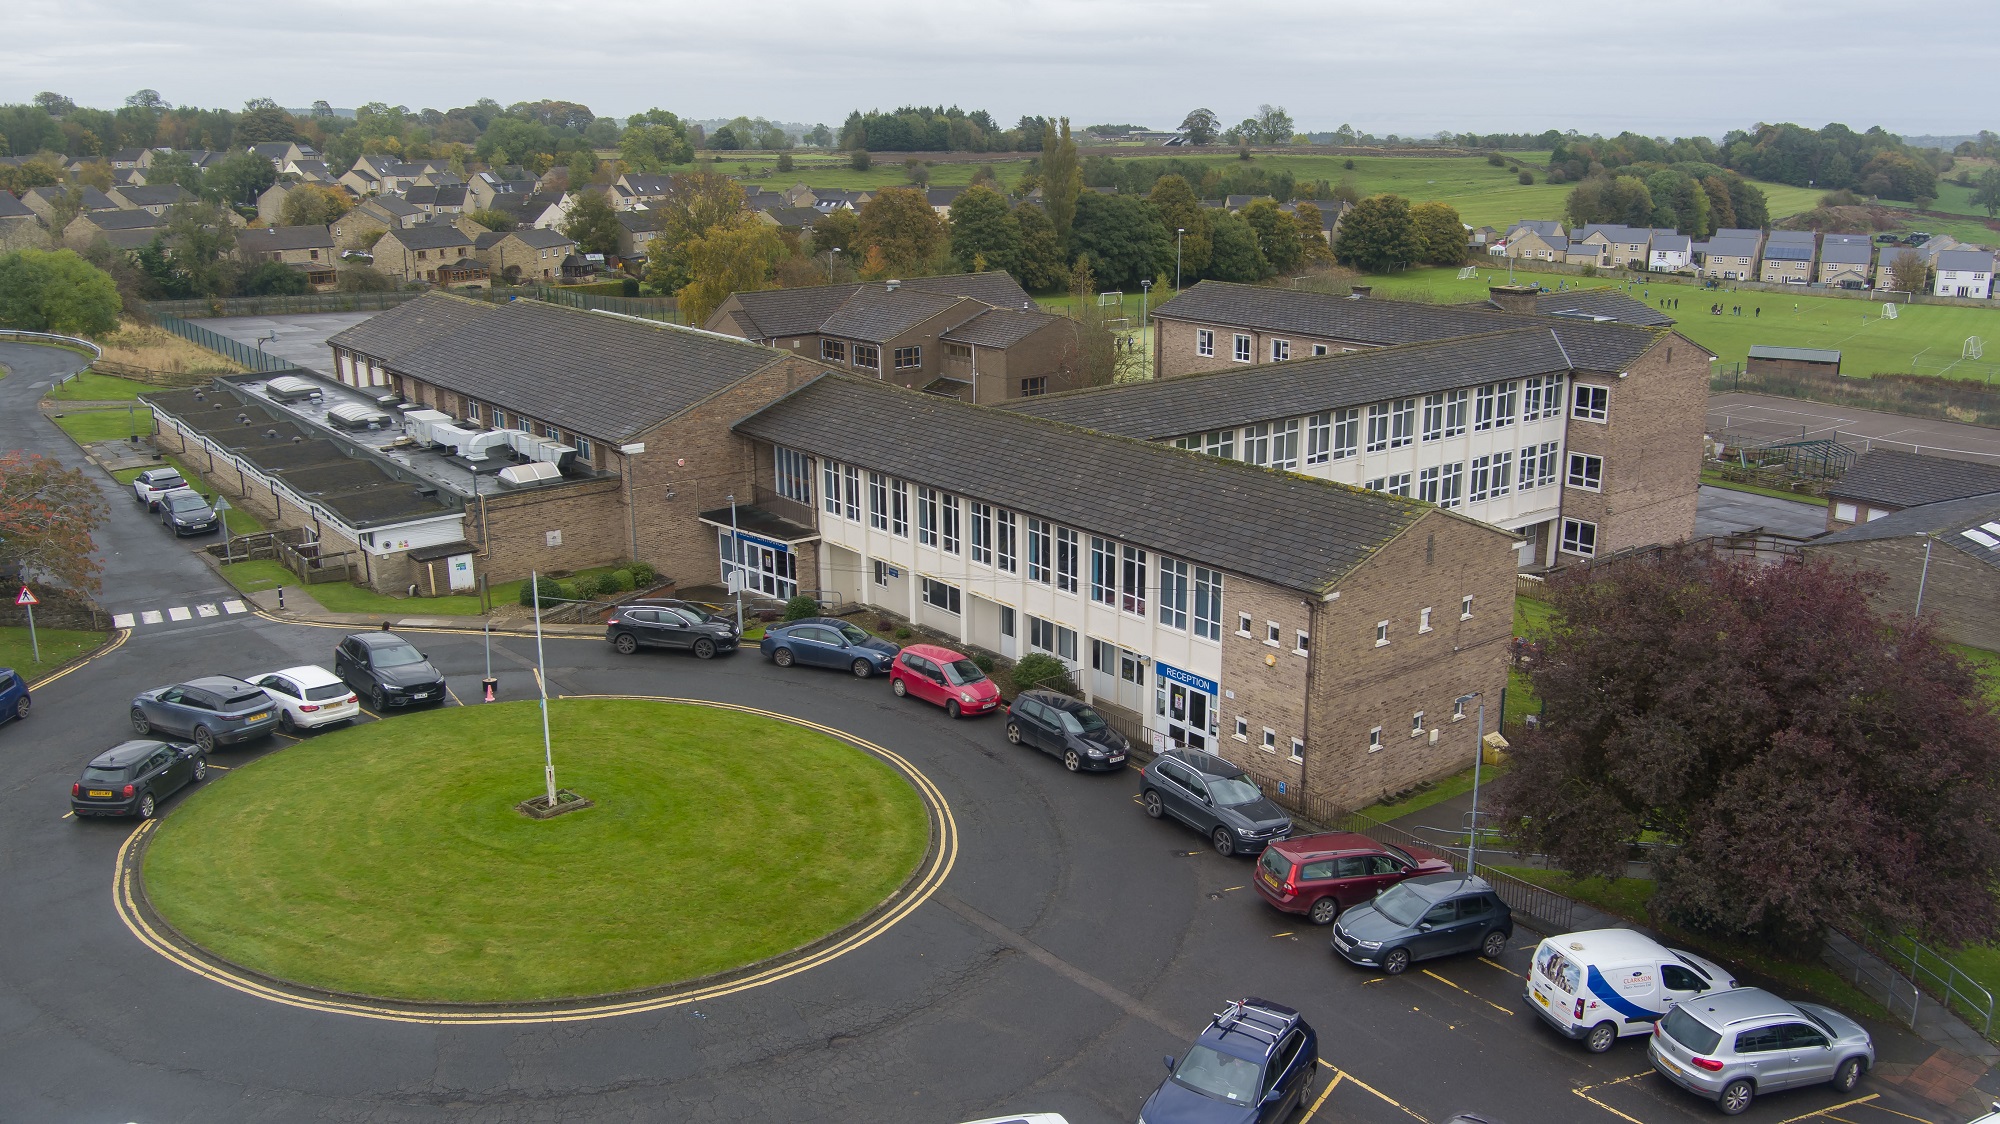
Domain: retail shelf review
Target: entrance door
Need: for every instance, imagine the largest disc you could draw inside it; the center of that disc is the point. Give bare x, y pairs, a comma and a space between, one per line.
460, 566
766, 568
1186, 712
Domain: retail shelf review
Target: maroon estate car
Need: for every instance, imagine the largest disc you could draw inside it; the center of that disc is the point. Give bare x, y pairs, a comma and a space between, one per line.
1320, 876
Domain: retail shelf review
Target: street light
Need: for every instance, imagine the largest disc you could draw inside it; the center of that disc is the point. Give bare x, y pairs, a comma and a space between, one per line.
1178, 231
833, 265
1145, 311
1479, 756
1926, 575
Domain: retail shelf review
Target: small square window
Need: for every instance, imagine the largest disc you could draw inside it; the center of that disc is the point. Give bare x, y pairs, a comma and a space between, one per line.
1424, 621
1381, 633
1465, 608
1270, 740
1375, 740
1242, 728
1272, 630
1304, 643
1417, 724
1458, 710
1298, 749
1242, 624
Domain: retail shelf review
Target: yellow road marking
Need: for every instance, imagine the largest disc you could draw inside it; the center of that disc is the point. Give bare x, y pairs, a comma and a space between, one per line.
1384, 1097
1843, 1104
453, 694
1231, 889
1881, 1108
1275, 936
224, 768
1606, 1107
1615, 1081
124, 900
67, 815
1503, 968
1376, 980
124, 634
1323, 1095
1457, 988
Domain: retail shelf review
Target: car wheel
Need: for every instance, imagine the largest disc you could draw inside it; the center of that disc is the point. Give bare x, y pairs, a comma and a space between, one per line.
1397, 962
1071, 761
380, 698
704, 649
1602, 1037
139, 723
1494, 944
1324, 911
1151, 802
1224, 842
200, 769
204, 738
625, 643
896, 685
286, 724
782, 657
951, 708
1013, 734
21, 707
1736, 1097
1848, 1075
863, 669
147, 807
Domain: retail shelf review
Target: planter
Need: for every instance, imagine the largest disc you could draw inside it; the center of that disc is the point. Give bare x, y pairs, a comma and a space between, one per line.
538, 807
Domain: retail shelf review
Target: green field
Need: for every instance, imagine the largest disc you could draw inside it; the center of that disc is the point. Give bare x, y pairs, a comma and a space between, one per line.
93, 387
89, 426
59, 646
388, 859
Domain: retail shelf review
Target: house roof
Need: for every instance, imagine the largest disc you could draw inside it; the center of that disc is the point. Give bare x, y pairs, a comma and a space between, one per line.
125, 220
1606, 303
1670, 243
536, 238
397, 331
93, 199
1966, 523
943, 196
1547, 228
12, 208
1845, 253
797, 312
602, 376
1183, 504
154, 195
1617, 233
284, 238
1796, 354
1729, 245
131, 239
1775, 250
1000, 327
429, 236
793, 218
1912, 479
1979, 261
1161, 408
879, 315
391, 206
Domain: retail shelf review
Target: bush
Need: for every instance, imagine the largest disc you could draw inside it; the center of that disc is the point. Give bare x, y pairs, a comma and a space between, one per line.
860, 160
586, 586
983, 662
628, 287
1526, 177
1496, 159
621, 581
801, 607
904, 633
553, 593
1043, 671
643, 575
784, 161
1348, 163
884, 624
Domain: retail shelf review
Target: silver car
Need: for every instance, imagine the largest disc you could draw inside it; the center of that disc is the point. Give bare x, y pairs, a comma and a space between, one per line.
1736, 1045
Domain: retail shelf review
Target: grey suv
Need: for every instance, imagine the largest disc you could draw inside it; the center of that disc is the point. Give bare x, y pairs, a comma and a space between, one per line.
1215, 798
214, 710
1735, 1045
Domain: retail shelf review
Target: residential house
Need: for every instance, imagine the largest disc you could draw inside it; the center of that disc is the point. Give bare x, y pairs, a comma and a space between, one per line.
1670, 252
43, 200
1629, 247
280, 153
799, 195
124, 159
1944, 554
446, 200
387, 175
1844, 260
1588, 253
1730, 255
638, 191
432, 252
524, 209
941, 199
636, 230
1927, 252
1884, 481
155, 200
525, 254
308, 249
309, 171
124, 230
827, 200
484, 187
1535, 239
796, 219
1788, 257
1332, 211
1964, 272
20, 228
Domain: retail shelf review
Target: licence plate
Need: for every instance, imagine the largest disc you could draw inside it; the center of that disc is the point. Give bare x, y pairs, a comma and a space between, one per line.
1117, 757
1672, 1066
101, 793
1337, 940
422, 694
259, 717
1542, 999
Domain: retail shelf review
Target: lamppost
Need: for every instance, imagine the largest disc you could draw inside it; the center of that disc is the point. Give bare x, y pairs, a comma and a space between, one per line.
736, 561
833, 265
1479, 756
1178, 232
1145, 311
1926, 575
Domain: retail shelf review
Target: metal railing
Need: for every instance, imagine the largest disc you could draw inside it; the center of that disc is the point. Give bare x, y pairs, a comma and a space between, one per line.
1938, 976
51, 338
281, 305
234, 350
1537, 903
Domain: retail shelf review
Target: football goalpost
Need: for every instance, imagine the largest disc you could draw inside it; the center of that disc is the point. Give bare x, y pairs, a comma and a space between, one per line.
1467, 273
1974, 348
1889, 310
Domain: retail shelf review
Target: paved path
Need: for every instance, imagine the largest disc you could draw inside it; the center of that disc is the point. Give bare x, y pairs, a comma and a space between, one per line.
1796, 419
1724, 511
300, 338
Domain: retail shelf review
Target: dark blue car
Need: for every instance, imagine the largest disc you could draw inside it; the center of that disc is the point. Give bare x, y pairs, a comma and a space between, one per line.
1254, 1064
828, 642
13, 695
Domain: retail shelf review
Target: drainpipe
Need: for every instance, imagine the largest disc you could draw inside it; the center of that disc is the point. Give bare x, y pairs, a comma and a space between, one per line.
1312, 662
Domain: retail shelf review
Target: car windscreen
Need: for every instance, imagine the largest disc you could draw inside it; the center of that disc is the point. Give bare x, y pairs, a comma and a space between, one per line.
330, 691
106, 774
1820, 1023
187, 501
851, 634
1401, 904
1690, 1031
397, 655
1219, 1075
1230, 791
1698, 969
960, 672
1082, 720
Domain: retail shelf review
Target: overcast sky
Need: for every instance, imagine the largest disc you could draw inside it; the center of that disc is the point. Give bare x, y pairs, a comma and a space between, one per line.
1411, 67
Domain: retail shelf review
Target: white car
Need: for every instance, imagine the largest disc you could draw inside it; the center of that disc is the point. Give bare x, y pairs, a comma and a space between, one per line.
308, 697
150, 485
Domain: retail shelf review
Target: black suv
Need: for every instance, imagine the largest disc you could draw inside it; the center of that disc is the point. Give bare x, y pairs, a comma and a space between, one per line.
1253, 1063
130, 779
663, 623
387, 670
1055, 723
1215, 798
1422, 917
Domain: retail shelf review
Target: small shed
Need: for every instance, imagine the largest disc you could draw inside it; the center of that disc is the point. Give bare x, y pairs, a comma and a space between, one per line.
1768, 360
456, 559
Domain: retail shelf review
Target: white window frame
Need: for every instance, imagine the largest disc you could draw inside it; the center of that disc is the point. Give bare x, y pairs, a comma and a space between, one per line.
1375, 740
1591, 403
1298, 749
1303, 646
1270, 744
1243, 625
1424, 621
1243, 351
1207, 603
1204, 342
1242, 729
1173, 593
1281, 350
1417, 724
1465, 607
1381, 634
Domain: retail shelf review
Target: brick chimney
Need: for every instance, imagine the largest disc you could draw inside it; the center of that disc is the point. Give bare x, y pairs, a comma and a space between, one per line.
1514, 298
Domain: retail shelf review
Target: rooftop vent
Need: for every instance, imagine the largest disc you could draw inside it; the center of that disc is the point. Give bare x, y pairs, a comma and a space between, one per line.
892, 285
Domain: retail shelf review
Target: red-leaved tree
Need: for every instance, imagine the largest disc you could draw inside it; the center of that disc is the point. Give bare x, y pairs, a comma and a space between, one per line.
46, 515
1809, 762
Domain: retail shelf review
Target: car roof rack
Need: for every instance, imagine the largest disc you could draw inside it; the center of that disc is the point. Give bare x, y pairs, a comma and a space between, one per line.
1259, 1022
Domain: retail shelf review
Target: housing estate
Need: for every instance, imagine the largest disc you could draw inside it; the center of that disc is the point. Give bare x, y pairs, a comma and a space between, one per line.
1844, 260
1788, 257
308, 249
431, 252
1730, 255
524, 254
1964, 273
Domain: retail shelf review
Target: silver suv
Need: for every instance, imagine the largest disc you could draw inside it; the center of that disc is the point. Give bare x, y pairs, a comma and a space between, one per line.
1735, 1045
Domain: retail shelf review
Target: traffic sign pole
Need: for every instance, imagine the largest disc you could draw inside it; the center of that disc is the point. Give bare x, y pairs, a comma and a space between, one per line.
27, 601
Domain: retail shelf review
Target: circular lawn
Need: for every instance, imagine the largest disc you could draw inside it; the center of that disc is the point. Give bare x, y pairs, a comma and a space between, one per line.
389, 860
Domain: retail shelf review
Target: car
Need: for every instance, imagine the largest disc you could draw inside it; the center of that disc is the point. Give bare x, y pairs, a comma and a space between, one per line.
662, 624
1734, 1046
1215, 798
1064, 727
132, 778
1992, 1117
150, 485
944, 677
1600, 984
1422, 918
308, 697
185, 513
1028, 1118
14, 701
387, 670
1254, 1062
828, 642
1320, 876
213, 710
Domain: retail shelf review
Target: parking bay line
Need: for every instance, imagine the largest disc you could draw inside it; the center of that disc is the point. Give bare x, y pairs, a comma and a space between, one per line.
1503, 968
1341, 1074
1455, 987
1829, 1108
1323, 1095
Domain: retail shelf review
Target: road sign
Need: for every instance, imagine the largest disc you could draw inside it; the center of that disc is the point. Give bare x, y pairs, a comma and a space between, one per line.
27, 597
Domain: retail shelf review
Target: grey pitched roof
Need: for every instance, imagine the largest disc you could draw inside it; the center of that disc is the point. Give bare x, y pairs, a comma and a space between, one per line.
125, 220
1547, 228
639, 221
391, 206
391, 334
601, 376
1607, 302
799, 312
1979, 261
1615, 232
258, 239
131, 239
12, 208
155, 195
1224, 513
1000, 327
1161, 408
1911, 479
877, 314
1730, 245
943, 196
1670, 243
1948, 520
543, 239
93, 199
1845, 253
429, 236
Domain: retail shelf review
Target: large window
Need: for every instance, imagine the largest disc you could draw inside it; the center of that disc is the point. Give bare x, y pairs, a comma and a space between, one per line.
1242, 353
1219, 443
908, 357
1427, 483
1066, 560
1451, 490
899, 508
941, 596
1257, 444
1052, 638
1482, 479
1585, 472
1281, 350
878, 501
1035, 387
1503, 473
850, 492
1103, 571
1494, 406
1545, 468
948, 523
833, 351
1552, 396
1204, 341
1378, 427
1403, 430
927, 517
1285, 444
1173, 593
1004, 556
867, 357
794, 472
1207, 603
1038, 550
1454, 412
982, 533
1433, 417
1591, 403
1132, 586
832, 488
1579, 538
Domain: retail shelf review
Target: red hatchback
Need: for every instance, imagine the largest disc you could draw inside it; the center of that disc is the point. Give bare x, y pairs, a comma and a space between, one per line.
1322, 875
942, 676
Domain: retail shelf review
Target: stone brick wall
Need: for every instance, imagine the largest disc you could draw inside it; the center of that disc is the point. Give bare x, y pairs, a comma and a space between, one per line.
1963, 593
1266, 694
1651, 442
514, 529
1174, 342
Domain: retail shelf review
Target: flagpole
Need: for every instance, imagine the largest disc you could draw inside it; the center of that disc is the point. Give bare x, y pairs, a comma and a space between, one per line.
542, 679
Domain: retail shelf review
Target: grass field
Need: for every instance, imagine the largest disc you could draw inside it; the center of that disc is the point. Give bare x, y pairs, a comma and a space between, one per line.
87, 426
1717, 480
59, 646
389, 860
93, 387
157, 349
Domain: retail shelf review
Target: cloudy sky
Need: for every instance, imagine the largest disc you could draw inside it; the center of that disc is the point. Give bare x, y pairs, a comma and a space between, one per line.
1403, 66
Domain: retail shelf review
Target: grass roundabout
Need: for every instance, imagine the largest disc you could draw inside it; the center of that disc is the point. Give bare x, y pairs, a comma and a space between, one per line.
388, 860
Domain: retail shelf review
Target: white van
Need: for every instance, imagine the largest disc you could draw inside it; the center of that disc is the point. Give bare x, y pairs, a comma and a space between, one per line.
1603, 984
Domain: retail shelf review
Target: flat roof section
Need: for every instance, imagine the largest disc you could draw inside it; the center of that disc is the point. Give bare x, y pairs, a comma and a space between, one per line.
1795, 354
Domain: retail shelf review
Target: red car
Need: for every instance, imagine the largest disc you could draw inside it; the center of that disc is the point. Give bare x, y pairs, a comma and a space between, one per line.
1320, 876
942, 676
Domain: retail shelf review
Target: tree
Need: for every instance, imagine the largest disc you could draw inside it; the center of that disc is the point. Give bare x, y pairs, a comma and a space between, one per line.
724, 139
696, 202
1039, 268
46, 515
94, 173
653, 145
1201, 127
820, 137
1377, 234
239, 178
272, 279
592, 224
1910, 273
1062, 180
784, 161
582, 168
735, 257
310, 204
175, 167
900, 223
1440, 232
984, 233
836, 230
1271, 126
1609, 199
1721, 212
1679, 202
54, 104
1277, 235
1312, 232
916, 173
201, 240
1092, 353
859, 159
1986, 192
1747, 200
1806, 761
63, 209
496, 221
1236, 256
261, 121
1180, 211
56, 291
365, 279
1120, 237
146, 99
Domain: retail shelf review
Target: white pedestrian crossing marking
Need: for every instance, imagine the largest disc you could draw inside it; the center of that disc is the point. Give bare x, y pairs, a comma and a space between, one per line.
121, 620
233, 607
151, 616
179, 613
207, 610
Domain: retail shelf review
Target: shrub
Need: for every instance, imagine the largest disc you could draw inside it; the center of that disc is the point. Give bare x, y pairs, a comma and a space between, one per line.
1496, 159
553, 593
643, 575
1040, 670
622, 581
983, 662
628, 287
784, 161
884, 624
904, 633
1526, 177
585, 585
860, 160
1348, 163
801, 607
